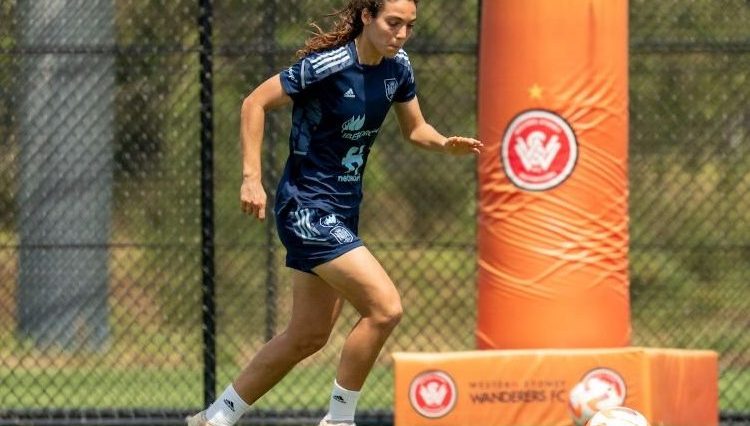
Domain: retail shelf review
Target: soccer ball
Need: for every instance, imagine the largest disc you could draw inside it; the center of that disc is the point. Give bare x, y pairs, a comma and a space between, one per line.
594, 393
618, 416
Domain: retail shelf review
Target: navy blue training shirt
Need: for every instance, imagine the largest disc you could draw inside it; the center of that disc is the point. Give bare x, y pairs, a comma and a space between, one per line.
339, 106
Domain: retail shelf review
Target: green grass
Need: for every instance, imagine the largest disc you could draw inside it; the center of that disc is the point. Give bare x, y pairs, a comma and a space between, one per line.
304, 387
733, 395
99, 387
102, 387
310, 387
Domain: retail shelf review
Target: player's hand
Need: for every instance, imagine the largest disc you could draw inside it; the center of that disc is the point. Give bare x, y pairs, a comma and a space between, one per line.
253, 198
459, 145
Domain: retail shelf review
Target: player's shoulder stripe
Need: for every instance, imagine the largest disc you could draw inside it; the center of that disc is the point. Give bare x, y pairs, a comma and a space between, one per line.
318, 57
330, 61
333, 63
403, 57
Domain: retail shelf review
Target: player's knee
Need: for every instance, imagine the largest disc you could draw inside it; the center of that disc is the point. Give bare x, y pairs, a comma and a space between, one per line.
388, 318
308, 343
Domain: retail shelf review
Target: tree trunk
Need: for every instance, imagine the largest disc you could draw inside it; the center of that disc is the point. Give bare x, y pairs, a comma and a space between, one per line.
66, 164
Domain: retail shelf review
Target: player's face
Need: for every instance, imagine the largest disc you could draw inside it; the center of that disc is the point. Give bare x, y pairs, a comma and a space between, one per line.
388, 31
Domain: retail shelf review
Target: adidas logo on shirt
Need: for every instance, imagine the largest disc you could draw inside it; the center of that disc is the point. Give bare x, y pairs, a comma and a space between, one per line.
349, 93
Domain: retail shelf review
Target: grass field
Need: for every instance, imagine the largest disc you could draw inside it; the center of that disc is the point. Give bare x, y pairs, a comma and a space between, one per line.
102, 387
304, 387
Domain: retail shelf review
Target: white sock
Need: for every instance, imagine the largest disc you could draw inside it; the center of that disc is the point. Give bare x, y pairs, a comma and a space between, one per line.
343, 404
227, 409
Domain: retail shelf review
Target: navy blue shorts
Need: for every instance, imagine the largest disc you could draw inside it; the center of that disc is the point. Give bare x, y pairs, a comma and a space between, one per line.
314, 236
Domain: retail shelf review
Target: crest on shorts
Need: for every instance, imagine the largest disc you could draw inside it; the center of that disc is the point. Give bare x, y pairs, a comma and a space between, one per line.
342, 235
390, 87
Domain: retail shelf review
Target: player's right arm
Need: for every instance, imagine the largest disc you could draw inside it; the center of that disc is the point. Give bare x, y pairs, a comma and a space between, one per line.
267, 96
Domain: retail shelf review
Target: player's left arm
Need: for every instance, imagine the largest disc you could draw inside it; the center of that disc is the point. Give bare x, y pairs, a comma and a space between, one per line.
419, 132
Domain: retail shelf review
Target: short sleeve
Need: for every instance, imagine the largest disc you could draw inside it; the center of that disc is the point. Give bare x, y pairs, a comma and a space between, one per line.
296, 78
407, 88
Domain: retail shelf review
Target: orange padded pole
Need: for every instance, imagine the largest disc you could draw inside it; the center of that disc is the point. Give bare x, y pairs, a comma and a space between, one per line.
553, 224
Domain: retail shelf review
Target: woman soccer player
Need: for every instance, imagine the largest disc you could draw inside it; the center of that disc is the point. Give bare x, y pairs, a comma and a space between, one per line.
341, 90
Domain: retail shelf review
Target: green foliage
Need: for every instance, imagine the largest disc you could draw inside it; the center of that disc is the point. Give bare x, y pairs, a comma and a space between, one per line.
8, 148
155, 57
698, 21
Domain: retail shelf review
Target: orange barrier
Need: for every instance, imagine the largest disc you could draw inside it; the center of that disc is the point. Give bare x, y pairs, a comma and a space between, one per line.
553, 229
530, 387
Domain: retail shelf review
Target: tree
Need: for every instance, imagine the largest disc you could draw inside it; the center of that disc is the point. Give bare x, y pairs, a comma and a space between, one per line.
65, 192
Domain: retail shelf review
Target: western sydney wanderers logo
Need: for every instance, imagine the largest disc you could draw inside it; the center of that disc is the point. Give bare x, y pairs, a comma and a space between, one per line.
539, 150
607, 378
433, 394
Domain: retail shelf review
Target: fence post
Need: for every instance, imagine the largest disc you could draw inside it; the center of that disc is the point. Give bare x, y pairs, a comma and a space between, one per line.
207, 202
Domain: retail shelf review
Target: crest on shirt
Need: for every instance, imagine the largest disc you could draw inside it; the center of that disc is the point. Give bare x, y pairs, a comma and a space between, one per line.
390, 87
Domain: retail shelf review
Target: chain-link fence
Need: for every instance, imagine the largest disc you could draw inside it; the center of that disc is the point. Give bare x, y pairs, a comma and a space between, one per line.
120, 219
690, 182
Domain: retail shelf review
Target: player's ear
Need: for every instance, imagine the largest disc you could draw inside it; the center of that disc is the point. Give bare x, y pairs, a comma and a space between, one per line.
366, 16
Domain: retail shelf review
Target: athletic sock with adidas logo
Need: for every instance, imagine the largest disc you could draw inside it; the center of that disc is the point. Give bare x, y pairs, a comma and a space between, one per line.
227, 409
343, 404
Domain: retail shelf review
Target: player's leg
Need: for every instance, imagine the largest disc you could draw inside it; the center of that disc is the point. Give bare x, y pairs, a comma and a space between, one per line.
315, 308
362, 281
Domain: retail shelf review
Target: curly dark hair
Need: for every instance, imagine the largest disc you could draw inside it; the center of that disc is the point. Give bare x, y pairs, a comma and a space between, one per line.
347, 26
